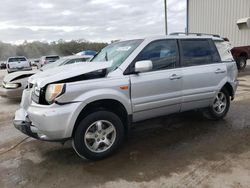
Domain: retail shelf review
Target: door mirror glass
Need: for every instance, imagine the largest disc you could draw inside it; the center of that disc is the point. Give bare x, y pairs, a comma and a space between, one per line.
143, 66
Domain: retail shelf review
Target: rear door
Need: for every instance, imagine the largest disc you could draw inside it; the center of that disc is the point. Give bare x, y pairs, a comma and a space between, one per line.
157, 92
202, 72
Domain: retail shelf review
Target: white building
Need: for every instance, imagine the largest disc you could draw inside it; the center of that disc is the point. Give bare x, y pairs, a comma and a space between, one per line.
228, 18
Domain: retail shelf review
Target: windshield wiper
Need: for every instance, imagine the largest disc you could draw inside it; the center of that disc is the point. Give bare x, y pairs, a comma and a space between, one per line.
106, 56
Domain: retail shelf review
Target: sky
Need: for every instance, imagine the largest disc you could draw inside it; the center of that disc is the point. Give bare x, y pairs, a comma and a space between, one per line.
92, 20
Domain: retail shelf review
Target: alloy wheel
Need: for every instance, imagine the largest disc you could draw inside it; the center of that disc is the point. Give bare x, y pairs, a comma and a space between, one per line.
220, 103
100, 136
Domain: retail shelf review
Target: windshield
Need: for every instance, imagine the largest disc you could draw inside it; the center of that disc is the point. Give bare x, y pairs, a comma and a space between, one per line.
117, 53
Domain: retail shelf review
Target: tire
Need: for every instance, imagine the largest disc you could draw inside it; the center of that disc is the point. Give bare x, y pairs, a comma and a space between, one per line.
98, 126
214, 112
242, 63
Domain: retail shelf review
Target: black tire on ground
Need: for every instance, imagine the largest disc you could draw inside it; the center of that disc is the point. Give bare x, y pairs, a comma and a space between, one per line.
212, 113
88, 125
242, 63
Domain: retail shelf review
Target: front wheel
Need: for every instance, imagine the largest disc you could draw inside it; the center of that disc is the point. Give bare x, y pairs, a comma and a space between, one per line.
98, 135
220, 106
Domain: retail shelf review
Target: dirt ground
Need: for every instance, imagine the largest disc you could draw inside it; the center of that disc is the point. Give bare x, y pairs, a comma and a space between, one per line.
183, 150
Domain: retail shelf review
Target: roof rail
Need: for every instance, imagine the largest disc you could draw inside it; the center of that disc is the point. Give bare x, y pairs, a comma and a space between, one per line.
197, 34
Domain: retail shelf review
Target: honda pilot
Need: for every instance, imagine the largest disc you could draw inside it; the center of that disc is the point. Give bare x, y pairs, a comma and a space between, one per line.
95, 103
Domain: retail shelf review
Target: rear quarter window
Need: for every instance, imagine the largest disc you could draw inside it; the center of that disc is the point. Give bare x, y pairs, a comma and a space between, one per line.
224, 49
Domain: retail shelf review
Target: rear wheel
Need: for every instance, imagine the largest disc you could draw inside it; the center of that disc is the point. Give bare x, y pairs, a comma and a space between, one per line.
98, 135
220, 107
242, 63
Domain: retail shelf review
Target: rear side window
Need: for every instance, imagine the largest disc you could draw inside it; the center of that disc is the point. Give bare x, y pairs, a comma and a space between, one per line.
163, 54
198, 52
16, 59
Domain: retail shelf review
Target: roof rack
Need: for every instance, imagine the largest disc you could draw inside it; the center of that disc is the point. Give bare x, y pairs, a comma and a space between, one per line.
197, 34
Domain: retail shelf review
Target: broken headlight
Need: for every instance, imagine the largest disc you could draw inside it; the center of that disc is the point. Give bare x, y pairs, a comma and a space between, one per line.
53, 91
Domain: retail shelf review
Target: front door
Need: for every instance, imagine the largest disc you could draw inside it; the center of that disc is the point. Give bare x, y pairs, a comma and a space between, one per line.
157, 92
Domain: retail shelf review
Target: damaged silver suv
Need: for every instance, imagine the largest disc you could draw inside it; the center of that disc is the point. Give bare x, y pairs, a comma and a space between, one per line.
94, 103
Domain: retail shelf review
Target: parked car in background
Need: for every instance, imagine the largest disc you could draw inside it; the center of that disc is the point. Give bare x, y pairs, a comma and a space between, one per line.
241, 54
13, 84
3, 65
19, 63
66, 61
35, 62
87, 52
94, 103
44, 60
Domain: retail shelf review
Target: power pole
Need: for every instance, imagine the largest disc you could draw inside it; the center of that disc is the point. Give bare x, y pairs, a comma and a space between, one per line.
166, 16
187, 18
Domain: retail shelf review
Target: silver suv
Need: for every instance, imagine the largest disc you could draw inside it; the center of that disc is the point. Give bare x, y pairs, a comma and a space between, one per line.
95, 103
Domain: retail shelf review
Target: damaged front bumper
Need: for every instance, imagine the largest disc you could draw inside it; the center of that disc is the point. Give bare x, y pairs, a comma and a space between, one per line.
25, 127
23, 124
45, 122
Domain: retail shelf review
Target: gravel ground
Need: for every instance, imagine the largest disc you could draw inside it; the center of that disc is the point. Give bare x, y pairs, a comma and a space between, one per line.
183, 150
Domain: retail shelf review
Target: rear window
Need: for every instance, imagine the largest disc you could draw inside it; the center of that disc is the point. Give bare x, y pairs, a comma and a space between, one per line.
198, 52
16, 59
52, 58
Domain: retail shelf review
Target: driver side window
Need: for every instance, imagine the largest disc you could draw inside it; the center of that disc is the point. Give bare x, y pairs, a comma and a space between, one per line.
163, 54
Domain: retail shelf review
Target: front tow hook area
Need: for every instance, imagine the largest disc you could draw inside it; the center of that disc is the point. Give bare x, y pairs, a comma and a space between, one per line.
24, 127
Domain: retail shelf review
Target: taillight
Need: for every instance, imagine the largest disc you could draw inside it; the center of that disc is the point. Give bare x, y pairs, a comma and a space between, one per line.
8, 65
45, 62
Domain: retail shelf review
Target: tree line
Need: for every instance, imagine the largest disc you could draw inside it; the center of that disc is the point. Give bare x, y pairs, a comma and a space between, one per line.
37, 49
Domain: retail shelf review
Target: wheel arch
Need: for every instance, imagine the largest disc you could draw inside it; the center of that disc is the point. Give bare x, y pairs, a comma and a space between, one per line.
111, 105
243, 54
229, 88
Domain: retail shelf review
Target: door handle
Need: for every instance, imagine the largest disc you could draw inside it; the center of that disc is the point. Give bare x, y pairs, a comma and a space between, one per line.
218, 71
175, 77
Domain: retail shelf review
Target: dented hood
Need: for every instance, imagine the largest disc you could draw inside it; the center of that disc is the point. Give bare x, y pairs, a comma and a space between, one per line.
67, 71
20, 74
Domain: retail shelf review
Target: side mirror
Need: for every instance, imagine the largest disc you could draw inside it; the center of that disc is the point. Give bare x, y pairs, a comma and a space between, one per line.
143, 66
